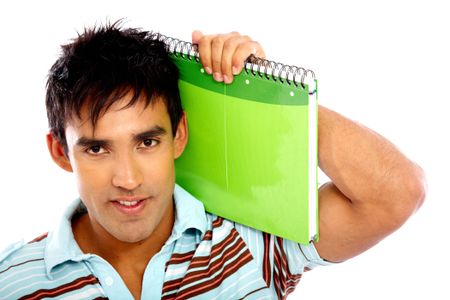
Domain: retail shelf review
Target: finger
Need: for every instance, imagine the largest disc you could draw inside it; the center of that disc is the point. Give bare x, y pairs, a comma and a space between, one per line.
216, 56
204, 49
243, 51
229, 49
217, 45
196, 36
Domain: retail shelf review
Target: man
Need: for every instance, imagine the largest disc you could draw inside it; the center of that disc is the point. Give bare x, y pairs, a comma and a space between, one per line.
116, 122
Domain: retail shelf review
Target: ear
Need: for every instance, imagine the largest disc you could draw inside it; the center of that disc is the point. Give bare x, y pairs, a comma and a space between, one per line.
57, 153
181, 136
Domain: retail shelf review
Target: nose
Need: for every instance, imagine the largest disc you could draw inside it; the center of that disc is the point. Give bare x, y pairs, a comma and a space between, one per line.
127, 174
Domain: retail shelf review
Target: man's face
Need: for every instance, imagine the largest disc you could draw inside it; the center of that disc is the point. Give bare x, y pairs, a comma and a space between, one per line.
125, 168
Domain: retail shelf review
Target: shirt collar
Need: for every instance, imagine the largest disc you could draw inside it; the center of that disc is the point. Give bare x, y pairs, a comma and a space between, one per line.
189, 214
62, 247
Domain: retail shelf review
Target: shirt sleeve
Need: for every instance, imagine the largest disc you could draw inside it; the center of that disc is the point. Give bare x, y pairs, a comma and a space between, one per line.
282, 262
302, 257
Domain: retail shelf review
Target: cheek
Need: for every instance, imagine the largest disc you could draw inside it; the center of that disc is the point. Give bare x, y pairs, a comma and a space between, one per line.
92, 180
160, 170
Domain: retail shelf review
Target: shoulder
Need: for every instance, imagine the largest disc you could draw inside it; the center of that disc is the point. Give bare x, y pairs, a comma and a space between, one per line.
264, 245
299, 257
10, 250
25, 273
20, 252
19, 262
279, 262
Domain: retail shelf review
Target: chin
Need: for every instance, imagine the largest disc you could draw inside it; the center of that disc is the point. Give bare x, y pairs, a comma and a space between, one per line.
132, 241
131, 238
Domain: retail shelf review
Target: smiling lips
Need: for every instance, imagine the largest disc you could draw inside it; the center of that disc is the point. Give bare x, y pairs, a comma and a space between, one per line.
130, 205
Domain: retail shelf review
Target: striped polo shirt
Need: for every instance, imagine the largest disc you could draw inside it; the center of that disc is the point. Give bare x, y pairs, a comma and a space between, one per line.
206, 257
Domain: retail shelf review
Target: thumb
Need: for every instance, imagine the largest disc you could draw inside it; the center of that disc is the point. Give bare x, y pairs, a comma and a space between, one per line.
196, 36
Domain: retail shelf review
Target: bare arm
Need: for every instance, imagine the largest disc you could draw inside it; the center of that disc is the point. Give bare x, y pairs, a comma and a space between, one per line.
374, 187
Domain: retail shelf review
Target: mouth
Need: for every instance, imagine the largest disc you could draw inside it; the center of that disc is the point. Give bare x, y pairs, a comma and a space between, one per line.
130, 205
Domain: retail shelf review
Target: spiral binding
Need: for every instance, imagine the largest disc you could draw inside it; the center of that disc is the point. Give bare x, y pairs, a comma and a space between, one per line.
180, 48
257, 66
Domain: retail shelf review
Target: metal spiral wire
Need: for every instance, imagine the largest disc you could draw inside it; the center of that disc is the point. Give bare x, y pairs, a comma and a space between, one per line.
278, 71
180, 48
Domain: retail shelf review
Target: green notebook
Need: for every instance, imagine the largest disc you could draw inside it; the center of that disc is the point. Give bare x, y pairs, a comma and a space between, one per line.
252, 151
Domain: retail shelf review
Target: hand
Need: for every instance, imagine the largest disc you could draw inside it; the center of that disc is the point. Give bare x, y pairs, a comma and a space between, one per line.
223, 55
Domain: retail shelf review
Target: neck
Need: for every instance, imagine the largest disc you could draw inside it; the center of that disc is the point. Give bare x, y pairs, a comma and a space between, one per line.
93, 238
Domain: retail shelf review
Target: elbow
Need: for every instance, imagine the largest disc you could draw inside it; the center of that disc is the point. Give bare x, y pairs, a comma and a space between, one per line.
417, 189
412, 190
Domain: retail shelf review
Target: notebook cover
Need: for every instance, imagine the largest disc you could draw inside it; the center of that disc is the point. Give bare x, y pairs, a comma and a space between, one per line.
247, 154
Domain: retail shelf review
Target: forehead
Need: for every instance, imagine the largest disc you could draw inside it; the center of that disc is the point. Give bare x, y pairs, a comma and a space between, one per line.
122, 115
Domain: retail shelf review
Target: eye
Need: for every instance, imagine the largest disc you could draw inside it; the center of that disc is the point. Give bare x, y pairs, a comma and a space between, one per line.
148, 143
95, 150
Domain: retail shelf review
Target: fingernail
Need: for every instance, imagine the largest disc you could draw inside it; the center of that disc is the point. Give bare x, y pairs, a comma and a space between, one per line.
226, 79
208, 70
235, 70
218, 77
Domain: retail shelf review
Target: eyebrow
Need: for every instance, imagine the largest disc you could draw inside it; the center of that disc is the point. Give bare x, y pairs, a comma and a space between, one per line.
88, 142
151, 133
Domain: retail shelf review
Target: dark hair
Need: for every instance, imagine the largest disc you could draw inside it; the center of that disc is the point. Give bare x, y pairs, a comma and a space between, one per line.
101, 66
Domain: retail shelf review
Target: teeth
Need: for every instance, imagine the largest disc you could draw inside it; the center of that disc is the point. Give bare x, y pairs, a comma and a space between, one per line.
127, 203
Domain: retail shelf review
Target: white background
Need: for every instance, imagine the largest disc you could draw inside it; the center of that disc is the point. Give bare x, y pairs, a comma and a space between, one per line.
382, 63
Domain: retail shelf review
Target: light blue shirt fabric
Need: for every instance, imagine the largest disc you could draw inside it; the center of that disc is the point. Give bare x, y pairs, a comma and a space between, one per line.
57, 260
